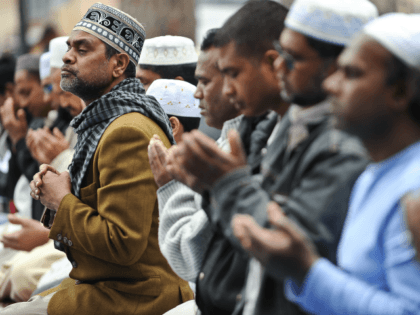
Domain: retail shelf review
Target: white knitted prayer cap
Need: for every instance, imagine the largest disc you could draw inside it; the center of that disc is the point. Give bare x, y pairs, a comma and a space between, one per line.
58, 48
168, 50
332, 21
176, 97
44, 65
400, 34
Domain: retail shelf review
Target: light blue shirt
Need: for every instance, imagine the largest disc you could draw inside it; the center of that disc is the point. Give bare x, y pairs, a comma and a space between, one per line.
377, 273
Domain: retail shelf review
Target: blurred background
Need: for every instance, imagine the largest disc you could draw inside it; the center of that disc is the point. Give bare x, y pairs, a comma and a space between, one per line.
29, 25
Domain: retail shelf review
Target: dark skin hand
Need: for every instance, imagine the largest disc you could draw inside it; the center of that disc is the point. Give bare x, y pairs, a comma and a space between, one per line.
286, 244
17, 127
198, 162
46, 146
50, 186
158, 154
32, 234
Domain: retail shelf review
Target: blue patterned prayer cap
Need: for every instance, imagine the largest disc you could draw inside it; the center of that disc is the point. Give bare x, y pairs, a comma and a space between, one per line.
332, 21
399, 33
114, 27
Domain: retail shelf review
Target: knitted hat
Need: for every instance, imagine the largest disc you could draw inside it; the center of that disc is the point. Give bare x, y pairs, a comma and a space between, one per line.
168, 50
28, 62
400, 34
176, 97
114, 27
332, 21
58, 48
44, 65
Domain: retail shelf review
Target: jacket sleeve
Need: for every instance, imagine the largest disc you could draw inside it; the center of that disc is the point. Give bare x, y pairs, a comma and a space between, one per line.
318, 204
125, 198
184, 229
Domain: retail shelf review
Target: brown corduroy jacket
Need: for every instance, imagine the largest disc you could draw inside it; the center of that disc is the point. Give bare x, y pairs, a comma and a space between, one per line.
110, 233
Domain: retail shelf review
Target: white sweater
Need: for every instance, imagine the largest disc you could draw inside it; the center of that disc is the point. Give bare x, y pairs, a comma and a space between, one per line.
184, 228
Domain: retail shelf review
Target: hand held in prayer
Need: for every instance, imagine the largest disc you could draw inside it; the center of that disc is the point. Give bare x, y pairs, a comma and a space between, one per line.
199, 157
32, 234
16, 126
54, 188
36, 183
157, 158
48, 145
286, 246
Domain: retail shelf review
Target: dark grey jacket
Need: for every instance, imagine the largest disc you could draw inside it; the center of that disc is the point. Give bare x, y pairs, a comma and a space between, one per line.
312, 184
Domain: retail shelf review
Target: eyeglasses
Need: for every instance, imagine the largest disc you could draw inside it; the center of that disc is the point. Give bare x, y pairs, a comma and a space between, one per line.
288, 58
47, 88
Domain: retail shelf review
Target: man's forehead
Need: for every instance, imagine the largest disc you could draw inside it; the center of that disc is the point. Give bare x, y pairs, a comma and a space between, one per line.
207, 59
229, 57
364, 51
81, 35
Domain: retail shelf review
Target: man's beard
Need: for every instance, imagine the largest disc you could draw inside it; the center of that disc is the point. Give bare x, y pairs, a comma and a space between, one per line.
85, 90
303, 100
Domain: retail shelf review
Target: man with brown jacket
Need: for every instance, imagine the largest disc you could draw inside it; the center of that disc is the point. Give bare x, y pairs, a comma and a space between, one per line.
104, 212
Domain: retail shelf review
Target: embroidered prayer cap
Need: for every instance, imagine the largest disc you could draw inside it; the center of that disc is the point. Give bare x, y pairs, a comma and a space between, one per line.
58, 48
176, 97
332, 21
28, 62
114, 27
44, 65
400, 34
168, 50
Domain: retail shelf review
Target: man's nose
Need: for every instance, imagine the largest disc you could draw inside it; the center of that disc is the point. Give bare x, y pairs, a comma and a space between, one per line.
227, 88
332, 83
68, 57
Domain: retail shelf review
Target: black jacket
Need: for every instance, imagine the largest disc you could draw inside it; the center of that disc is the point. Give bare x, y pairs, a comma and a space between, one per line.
223, 273
312, 184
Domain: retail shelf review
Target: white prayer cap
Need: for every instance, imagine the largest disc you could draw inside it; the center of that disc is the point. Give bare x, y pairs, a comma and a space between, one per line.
176, 97
400, 34
44, 65
58, 48
168, 50
333, 21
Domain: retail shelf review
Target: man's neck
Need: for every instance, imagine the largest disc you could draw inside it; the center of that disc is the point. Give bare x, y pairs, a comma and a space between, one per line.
402, 135
106, 90
281, 108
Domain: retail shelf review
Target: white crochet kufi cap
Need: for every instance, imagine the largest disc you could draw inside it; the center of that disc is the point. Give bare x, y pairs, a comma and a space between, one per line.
44, 65
332, 21
176, 97
58, 48
400, 34
168, 50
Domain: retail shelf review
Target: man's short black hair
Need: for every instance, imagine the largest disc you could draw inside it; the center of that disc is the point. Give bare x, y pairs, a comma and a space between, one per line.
7, 72
186, 71
130, 71
253, 28
189, 123
208, 40
399, 72
324, 49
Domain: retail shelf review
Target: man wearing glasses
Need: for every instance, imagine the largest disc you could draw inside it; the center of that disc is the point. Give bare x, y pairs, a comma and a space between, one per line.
308, 168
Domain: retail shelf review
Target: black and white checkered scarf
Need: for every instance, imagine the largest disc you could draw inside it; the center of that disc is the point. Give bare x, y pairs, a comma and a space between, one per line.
126, 97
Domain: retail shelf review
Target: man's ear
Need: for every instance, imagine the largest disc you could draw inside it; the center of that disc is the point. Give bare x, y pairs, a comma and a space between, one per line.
269, 57
402, 93
121, 63
179, 78
177, 128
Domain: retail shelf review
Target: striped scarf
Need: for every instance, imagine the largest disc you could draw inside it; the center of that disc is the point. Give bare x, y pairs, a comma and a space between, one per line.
126, 97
